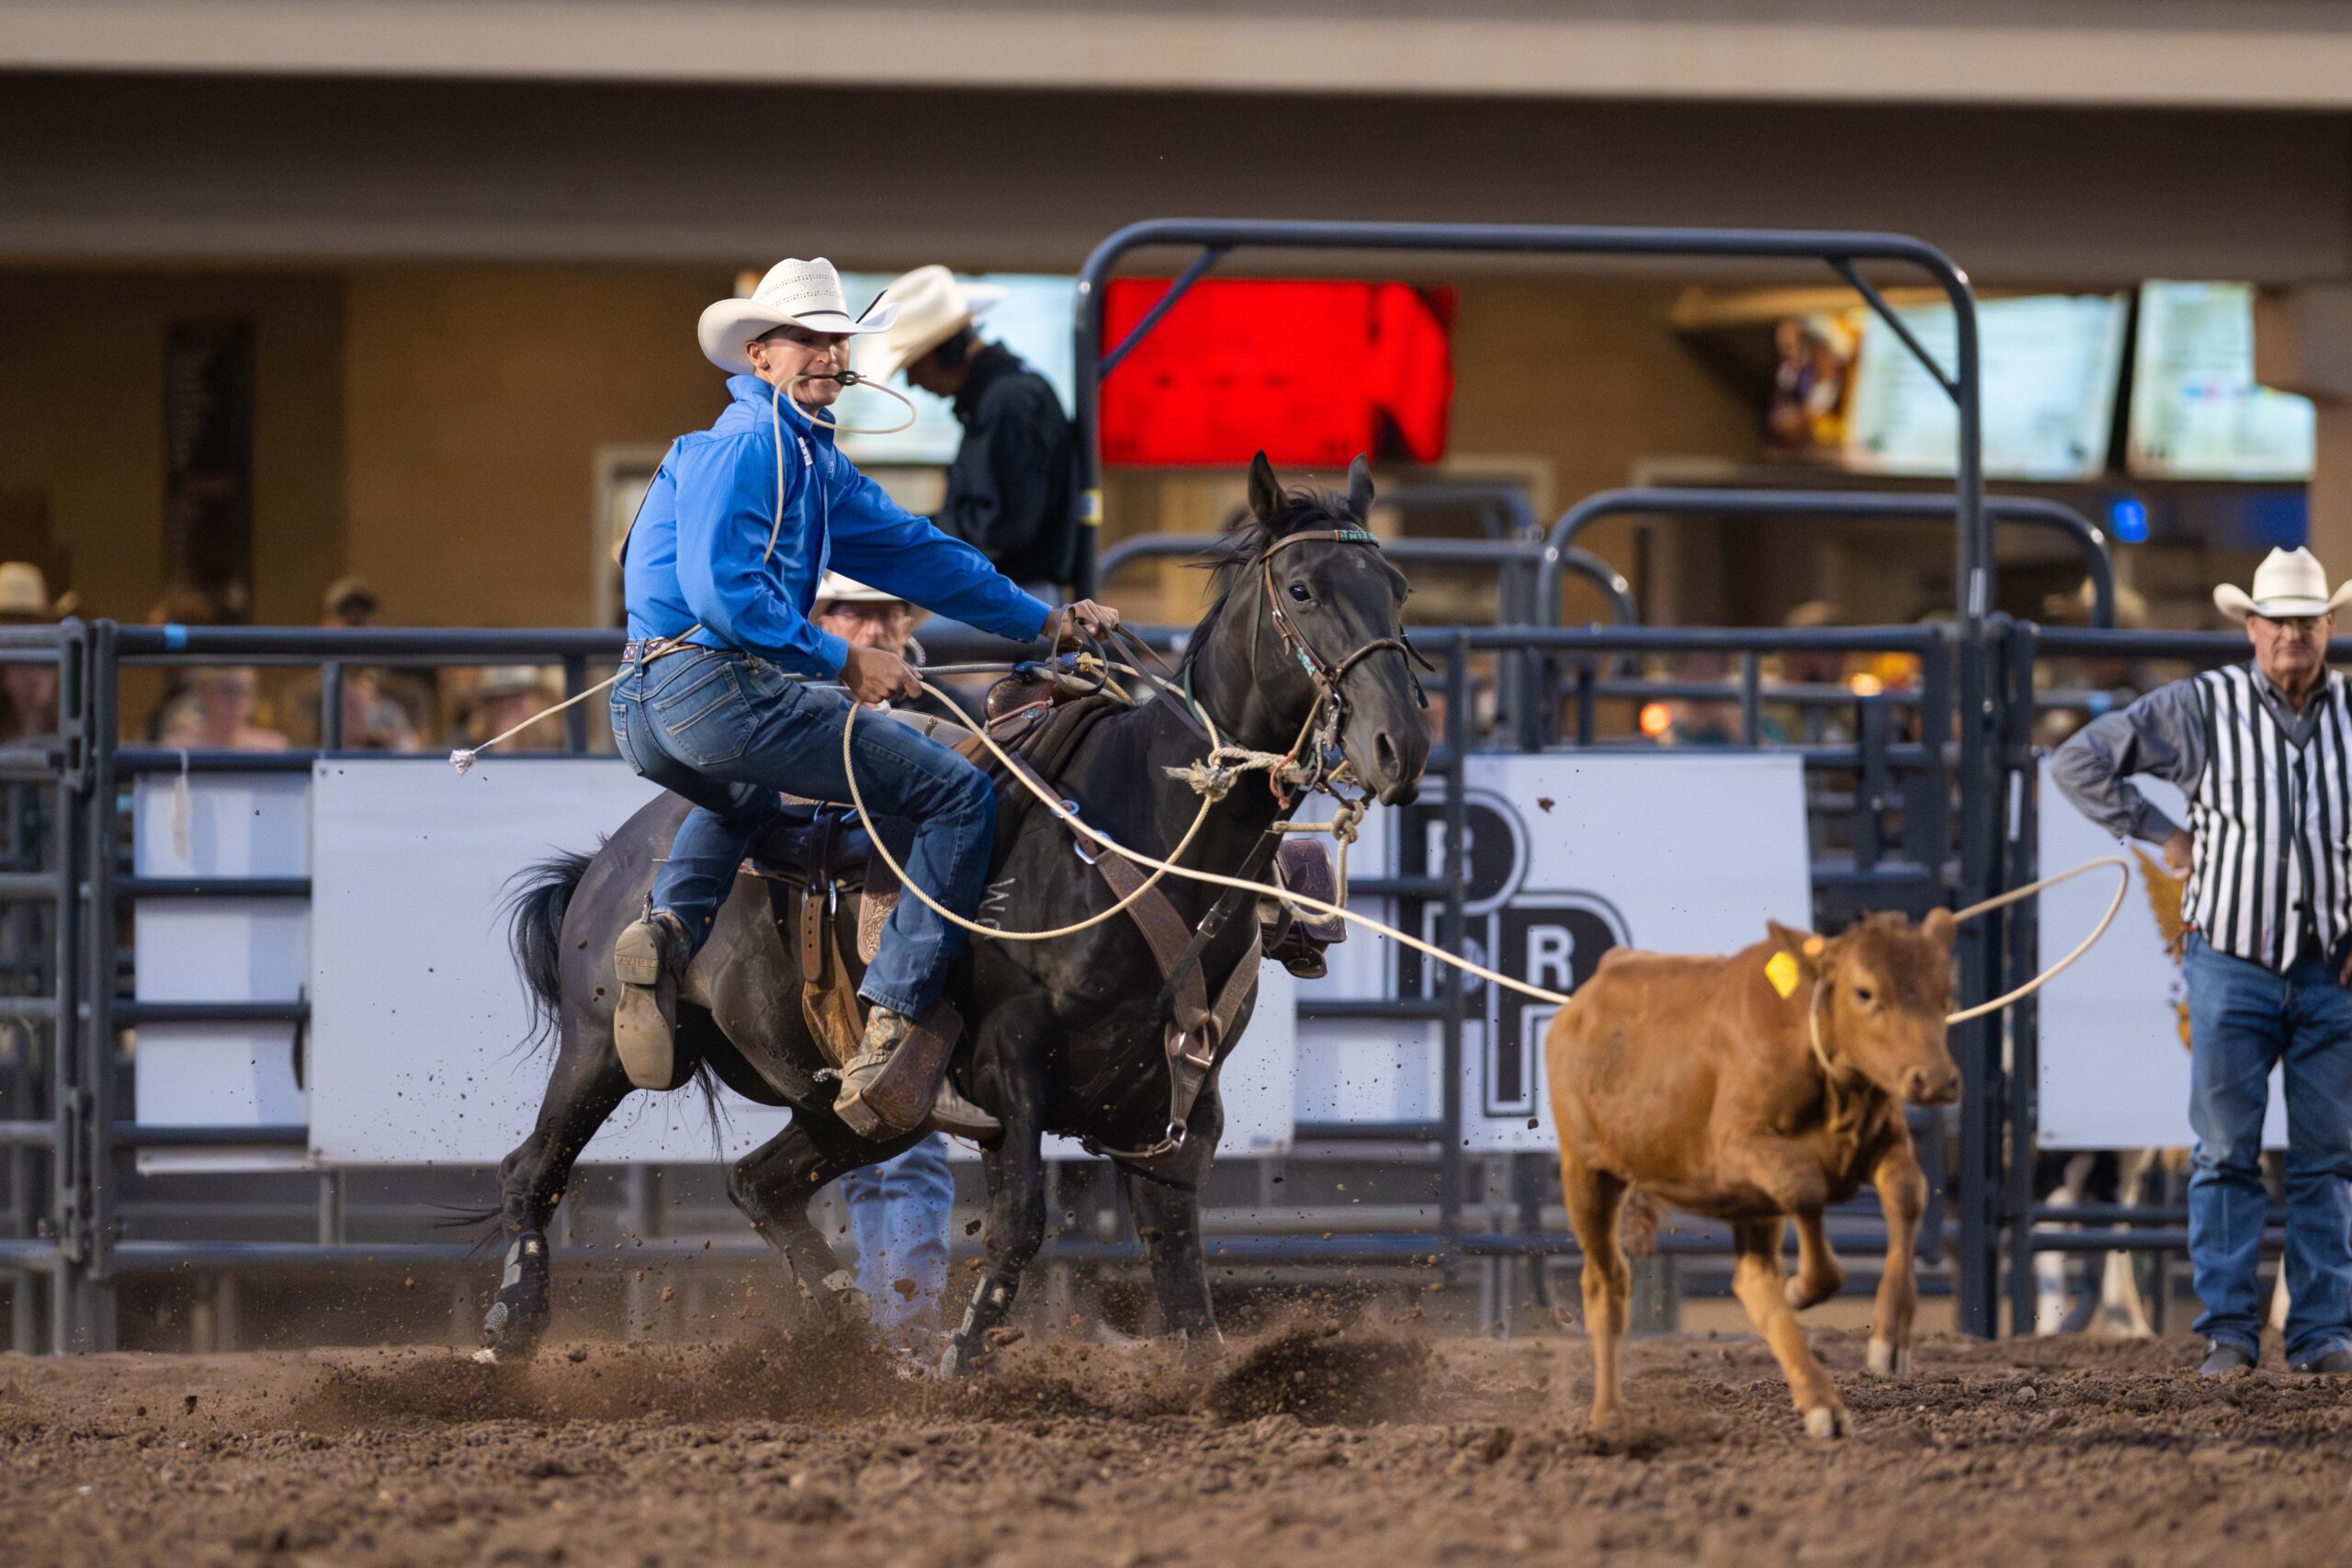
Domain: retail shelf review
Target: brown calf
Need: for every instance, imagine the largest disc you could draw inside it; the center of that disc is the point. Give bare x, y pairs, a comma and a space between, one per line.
1704, 1081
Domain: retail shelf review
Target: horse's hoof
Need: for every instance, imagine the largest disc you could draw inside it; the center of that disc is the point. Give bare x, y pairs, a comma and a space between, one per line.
1827, 1421
839, 1300
1886, 1361
519, 1315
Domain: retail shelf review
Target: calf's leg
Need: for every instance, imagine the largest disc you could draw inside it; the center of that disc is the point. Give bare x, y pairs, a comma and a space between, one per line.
1595, 1199
1762, 1287
1903, 1197
1818, 1275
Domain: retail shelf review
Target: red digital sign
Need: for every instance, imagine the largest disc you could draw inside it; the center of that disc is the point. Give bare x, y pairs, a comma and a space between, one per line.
1311, 372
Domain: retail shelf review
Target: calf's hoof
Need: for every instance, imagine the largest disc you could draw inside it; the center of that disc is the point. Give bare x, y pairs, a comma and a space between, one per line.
1803, 1294
1888, 1361
1828, 1421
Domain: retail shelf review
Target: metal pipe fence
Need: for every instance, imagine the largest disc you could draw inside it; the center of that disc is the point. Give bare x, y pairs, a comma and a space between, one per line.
1894, 790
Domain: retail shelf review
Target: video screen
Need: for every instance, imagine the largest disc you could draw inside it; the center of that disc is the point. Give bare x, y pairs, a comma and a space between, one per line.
2051, 364
2196, 411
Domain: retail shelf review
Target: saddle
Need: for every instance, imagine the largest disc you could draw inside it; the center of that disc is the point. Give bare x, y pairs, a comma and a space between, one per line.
826, 879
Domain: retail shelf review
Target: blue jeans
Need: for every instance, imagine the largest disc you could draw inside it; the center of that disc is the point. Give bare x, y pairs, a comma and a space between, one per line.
2242, 1021
728, 731
897, 1215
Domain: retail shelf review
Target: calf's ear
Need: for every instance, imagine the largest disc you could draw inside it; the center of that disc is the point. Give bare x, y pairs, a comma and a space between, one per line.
1941, 928
1808, 950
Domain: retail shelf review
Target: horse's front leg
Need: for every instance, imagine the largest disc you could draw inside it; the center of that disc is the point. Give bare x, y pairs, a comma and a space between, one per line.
773, 1185
586, 1085
1012, 1084
1167, 1205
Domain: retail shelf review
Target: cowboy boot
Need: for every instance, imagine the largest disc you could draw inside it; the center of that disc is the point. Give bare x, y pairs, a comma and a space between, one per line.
648, 961
899, 1077
957, 1117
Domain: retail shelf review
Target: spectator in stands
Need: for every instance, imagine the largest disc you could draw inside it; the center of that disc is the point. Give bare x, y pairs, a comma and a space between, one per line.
898, 1209
1011, 488
180, 606
28, 690
217, 714
509, 695
2259, 749
1810, 723
381, 710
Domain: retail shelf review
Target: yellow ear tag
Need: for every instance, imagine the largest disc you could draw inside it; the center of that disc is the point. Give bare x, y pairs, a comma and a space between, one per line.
1781, 970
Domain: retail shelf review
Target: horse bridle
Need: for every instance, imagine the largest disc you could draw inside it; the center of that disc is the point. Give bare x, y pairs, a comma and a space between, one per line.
1326, 674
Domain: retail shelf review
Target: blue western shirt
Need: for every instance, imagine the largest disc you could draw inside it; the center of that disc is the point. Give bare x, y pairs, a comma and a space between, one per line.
697, 554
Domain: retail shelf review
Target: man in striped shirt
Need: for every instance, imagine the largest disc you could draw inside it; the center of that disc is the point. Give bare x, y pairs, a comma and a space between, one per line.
2263, 751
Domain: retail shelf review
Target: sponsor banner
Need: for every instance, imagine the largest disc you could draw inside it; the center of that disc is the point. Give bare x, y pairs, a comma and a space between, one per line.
2115, 1027
1568, 856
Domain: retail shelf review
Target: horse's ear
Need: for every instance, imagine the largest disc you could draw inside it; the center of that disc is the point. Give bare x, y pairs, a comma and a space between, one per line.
1359, 489
1265, 492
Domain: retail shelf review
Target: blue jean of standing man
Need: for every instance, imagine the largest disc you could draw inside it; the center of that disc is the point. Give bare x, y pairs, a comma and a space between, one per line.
2244, 1020
897, 1215
728, 730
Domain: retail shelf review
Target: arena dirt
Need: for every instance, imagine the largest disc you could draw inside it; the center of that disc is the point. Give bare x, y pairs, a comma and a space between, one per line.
1310, 1445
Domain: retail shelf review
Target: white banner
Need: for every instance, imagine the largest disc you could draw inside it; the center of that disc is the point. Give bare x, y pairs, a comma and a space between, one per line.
1569, 855
417, 1012
2115, 1027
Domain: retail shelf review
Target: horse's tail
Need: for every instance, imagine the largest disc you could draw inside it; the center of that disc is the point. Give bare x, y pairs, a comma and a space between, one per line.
535, 901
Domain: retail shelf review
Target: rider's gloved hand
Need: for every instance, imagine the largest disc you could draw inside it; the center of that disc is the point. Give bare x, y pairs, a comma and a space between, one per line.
873, 676
1060, 627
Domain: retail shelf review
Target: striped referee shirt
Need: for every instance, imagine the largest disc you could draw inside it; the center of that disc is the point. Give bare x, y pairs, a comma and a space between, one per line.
2269, 790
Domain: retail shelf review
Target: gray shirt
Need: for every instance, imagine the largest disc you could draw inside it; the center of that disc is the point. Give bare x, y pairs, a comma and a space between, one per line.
2162, 734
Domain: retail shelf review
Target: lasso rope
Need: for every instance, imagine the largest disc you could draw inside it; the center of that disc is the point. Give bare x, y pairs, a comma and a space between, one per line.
1300, 900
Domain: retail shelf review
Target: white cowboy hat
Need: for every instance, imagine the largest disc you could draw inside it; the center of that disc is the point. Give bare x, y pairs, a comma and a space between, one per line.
932, 307
838, 590
23, 593
802, 293
2287, 582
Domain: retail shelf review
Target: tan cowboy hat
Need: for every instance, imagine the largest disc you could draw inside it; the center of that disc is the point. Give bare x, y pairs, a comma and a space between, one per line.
345, 588
932, 307
2287, 582
838, 590
517, 680
24, 595
801, 293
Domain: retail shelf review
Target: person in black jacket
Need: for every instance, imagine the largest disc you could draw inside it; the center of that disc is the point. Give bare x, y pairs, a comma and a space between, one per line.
1011, 488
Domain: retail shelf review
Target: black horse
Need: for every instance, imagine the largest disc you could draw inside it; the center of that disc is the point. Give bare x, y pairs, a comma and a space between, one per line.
1068, 1035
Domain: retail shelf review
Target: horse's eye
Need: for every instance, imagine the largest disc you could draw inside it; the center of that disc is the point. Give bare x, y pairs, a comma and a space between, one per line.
1298, 592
